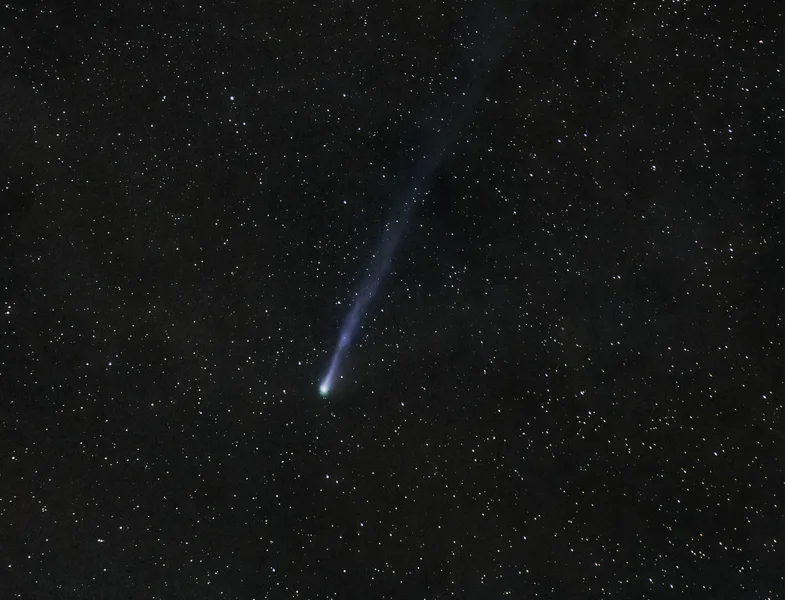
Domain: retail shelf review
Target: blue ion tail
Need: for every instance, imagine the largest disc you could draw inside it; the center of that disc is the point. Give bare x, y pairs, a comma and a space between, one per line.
457, 119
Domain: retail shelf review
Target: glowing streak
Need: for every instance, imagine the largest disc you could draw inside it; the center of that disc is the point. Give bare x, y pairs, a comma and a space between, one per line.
488, 58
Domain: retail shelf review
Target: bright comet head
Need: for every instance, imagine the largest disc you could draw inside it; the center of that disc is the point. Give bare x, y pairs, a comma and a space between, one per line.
324, 389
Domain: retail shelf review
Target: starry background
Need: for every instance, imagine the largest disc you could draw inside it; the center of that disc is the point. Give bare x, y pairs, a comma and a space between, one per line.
569, 385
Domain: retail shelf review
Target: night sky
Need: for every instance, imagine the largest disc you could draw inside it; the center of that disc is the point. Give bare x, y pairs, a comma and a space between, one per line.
567, 382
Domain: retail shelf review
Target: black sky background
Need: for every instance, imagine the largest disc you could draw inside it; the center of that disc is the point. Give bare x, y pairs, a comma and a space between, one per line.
569, 386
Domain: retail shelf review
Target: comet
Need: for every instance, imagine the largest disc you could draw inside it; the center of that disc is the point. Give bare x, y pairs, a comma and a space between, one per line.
485, 59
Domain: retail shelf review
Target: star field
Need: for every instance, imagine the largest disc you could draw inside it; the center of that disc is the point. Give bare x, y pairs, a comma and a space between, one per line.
567, 384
